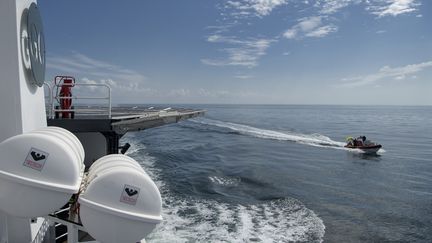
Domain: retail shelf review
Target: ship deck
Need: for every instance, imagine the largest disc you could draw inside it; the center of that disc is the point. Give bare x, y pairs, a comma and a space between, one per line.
123, 119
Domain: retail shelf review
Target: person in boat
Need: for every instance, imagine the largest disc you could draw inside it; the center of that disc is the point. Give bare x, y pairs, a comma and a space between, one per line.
350, 141
358, 141
362, 140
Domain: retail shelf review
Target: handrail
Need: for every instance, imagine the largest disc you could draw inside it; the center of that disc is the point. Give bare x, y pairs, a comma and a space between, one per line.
55, 96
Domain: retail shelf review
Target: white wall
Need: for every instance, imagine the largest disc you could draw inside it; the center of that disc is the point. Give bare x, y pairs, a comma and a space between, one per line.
22, 106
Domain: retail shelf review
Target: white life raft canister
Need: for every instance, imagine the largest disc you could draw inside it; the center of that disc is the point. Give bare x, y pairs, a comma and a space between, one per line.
120, 202
39, 172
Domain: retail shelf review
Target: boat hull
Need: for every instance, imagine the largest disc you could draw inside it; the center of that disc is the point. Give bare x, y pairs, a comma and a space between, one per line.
370, 149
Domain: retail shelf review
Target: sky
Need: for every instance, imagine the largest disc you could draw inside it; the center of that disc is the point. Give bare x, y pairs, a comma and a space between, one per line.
362, 52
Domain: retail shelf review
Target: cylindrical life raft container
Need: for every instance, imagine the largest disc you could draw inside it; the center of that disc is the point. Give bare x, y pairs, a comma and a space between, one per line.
39, 172
120, 202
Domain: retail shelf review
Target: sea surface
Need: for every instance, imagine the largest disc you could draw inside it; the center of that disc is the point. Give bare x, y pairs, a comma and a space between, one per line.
279, 173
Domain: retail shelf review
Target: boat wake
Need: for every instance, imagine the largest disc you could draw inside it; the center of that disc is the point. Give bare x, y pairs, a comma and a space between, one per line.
189, 219
282, 220
315, 139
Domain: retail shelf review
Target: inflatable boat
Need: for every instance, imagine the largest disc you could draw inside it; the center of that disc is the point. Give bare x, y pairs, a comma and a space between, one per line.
362, 144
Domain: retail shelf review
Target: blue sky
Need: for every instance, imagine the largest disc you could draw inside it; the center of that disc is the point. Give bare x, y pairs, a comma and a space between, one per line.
245, 52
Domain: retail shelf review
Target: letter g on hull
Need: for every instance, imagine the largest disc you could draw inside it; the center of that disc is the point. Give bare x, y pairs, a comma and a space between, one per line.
33, 45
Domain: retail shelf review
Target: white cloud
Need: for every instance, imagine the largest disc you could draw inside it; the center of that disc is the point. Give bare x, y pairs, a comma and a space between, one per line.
82, 65
385, 73
377, 7
322, 31
133, 92
392, 7
290, 33
240, 53
318, 22
310, 27
310, 23
333, 6
124, 82
120, 91
260, 8
130, 88
243, 76
264, 7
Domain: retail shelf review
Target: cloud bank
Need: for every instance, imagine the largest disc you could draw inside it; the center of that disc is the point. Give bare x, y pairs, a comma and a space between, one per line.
320, 20
386, 73
244, 53
133, 87
392, 7
82, 65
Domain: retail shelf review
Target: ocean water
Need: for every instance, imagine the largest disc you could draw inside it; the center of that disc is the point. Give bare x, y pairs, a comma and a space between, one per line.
247, 173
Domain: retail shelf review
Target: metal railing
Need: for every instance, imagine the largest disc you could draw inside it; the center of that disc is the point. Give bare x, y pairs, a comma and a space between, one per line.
104, 109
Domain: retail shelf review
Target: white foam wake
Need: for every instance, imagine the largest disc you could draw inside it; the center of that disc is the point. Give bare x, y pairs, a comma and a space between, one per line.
283, 220
207, 220
224, 181
317, 140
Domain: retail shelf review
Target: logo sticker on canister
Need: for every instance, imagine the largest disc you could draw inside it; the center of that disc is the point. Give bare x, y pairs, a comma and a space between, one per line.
129, 194
36, 159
